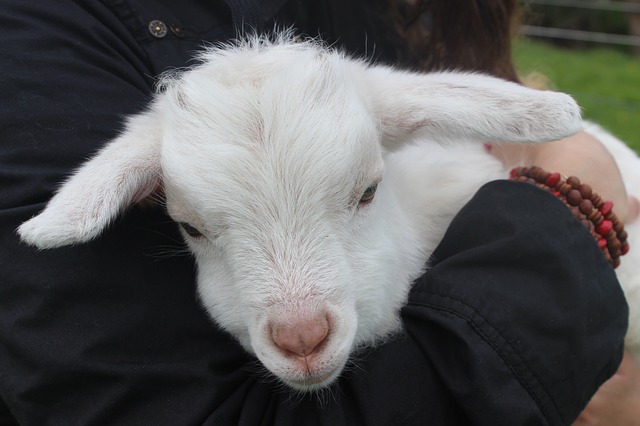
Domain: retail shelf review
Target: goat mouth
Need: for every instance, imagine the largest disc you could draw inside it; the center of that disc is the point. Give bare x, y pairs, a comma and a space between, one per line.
314, 381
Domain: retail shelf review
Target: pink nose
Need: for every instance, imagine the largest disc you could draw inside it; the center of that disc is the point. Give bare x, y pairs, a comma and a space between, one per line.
301, 337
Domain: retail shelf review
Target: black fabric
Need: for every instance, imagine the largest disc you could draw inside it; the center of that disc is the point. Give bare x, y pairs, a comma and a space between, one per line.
513, 268
518, 322
246, 15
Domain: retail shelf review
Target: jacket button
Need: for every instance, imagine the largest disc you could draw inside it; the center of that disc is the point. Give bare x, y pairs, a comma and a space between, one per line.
177, 31
157, 28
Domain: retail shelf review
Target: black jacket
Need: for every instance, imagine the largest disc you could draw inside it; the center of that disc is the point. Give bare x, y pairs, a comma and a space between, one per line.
517, 323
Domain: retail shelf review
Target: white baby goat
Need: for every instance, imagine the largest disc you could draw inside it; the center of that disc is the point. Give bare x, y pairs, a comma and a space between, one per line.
270, 154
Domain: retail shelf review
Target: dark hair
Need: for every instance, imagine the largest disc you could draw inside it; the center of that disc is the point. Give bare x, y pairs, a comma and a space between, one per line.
470, 35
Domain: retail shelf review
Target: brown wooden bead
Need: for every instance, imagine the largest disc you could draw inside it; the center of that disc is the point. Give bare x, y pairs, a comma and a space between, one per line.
586, 206
564, 188
574, 182
576, 212
618, 226
574, 197
594, 216
615, 244
586, 191
535, 172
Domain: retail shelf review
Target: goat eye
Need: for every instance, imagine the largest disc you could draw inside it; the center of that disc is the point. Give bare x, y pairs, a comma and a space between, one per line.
190, 230
368, 194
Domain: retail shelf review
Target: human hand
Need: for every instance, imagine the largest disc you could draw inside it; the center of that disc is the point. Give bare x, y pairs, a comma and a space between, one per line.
580, 155
617, 402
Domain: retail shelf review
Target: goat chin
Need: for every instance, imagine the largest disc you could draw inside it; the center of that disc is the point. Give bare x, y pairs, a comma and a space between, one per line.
310, 187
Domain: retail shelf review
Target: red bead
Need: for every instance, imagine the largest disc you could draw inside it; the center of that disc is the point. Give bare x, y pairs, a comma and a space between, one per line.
553, 179
604, 227
625, 249
602, 243
606, 207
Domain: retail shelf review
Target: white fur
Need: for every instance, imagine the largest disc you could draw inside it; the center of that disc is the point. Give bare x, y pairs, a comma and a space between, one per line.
267, 148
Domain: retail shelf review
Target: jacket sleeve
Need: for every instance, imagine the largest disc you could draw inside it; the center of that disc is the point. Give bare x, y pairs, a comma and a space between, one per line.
522, 306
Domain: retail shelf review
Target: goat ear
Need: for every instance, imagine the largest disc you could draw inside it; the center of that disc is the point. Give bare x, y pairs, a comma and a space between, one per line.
125, 171
447, 105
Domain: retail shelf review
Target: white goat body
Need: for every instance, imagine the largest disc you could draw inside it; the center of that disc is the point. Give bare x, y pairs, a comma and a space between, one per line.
269, 154
455, 173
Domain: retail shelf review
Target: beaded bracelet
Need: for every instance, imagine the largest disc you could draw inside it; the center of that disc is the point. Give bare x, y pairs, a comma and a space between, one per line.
587, 206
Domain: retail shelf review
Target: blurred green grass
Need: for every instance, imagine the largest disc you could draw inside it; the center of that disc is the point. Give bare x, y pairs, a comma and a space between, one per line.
606, 83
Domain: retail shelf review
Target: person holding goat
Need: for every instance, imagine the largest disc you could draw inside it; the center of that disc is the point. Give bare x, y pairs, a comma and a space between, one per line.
110, 332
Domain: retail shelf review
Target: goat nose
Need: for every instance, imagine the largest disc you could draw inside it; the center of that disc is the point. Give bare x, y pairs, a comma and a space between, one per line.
301, 337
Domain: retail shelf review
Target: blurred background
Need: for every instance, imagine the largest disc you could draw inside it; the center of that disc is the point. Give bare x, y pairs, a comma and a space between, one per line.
591, 50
